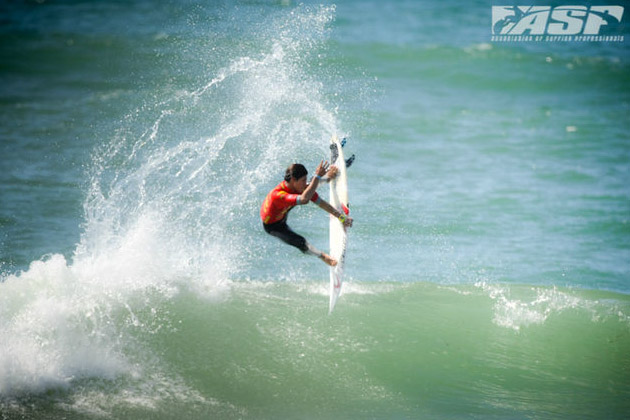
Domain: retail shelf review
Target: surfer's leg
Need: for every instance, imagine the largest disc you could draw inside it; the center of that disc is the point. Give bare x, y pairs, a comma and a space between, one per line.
283, 232
311, 250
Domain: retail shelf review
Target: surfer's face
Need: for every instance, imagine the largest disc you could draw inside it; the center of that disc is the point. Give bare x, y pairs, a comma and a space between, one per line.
298, 185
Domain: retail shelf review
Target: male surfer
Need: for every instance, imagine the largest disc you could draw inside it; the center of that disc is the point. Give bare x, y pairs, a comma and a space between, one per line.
294, 191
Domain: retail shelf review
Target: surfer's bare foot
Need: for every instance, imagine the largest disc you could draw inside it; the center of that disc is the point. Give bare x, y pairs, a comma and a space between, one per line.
328, 259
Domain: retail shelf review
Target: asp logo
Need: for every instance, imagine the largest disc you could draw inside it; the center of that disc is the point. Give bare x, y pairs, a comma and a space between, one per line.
559, 20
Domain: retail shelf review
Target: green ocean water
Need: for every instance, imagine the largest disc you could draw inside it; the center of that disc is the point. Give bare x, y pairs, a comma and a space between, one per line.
487, 270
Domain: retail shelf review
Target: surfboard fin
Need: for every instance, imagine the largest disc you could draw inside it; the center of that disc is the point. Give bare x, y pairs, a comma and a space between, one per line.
349, 161
334, 154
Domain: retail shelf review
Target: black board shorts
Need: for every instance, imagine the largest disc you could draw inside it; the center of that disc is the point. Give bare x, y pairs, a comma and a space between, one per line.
283, 232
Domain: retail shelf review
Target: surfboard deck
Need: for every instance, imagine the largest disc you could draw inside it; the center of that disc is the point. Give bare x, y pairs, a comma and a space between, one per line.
338, 233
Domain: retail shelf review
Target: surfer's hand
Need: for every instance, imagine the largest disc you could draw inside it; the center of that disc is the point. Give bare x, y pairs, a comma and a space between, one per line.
345, 220
332, 172
321, 168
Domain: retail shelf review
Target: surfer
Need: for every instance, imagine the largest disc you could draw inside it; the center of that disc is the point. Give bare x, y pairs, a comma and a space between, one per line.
294, 191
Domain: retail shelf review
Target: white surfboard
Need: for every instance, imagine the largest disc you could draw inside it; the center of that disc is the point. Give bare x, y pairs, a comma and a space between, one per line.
338, 233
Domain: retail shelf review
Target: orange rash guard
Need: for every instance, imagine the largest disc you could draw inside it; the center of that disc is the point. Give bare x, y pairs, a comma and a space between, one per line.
278, 202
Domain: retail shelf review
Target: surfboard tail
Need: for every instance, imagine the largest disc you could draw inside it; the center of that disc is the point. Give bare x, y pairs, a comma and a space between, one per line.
335, 288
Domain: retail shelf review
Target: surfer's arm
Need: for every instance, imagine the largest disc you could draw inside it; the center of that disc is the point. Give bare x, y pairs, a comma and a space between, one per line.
324, 205
306, 196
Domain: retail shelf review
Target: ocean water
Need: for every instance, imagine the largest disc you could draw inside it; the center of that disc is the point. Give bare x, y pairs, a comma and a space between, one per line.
487, 271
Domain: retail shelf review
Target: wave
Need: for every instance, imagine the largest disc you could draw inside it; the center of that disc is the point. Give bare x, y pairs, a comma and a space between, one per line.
265, 348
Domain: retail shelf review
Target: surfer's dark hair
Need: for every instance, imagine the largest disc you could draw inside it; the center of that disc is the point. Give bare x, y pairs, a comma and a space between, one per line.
295, 171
